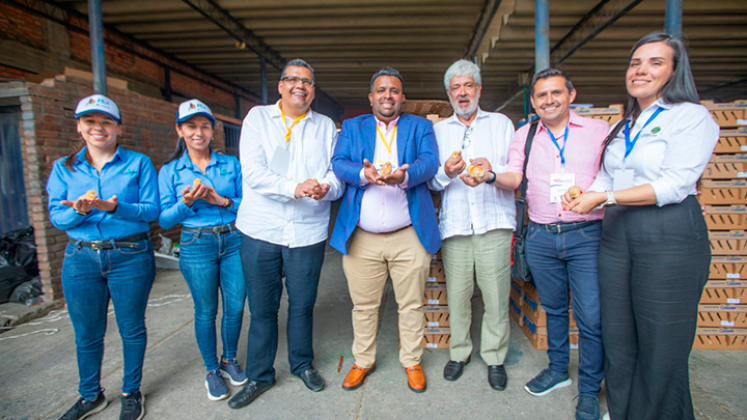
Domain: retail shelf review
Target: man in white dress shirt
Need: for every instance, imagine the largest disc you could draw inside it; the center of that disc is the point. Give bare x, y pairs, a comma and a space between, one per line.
477, 221
286, 150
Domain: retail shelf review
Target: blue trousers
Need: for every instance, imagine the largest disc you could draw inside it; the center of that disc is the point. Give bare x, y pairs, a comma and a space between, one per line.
263, 265
559, 261
89, 279
211, 262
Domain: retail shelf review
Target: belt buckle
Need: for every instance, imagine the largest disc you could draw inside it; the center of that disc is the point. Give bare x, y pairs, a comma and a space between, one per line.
217, 229
97, 245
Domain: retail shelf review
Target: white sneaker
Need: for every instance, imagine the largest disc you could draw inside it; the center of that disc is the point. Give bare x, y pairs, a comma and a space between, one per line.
606, 416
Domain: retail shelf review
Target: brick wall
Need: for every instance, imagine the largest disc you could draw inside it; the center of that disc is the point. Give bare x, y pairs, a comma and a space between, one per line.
48, 132
7, 72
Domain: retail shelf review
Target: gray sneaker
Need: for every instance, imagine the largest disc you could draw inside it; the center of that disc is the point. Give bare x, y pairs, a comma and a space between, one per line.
230, 369
216, 388
547, 381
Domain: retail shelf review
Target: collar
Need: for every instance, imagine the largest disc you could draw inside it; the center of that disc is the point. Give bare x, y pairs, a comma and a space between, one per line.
80, 157
275, 112
391, 124
660, 103
573, 120
454, 119
186, 162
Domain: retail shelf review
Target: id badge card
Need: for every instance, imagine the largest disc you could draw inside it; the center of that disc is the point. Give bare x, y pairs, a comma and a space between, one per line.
559, 185
280, 161
622, 179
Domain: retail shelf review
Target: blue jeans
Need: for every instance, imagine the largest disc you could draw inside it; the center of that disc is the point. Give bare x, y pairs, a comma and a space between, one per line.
89, 279
211, 262
557, 262
263, 264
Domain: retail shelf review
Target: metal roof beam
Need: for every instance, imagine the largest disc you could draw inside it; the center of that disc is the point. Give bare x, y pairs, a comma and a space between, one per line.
486, 17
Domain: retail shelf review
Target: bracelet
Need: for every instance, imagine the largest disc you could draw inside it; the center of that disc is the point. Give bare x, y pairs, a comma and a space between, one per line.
492, 180
228, 204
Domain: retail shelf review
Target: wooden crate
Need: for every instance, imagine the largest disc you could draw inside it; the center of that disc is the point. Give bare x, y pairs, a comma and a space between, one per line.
720, 339
722, 316
725, 170
437, 256
726, 217
436, 316
728, 268
724, 292
435, 294
611, 114
732, 242
437, 274
727, 114
732, 141
436, 338
723, 192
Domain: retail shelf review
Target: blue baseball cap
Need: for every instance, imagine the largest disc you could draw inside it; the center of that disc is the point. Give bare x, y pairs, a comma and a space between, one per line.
191, 108
98, 103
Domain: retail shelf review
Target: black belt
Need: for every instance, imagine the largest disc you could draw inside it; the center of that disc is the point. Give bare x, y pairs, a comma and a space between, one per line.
126, 242
215, 229
567, 227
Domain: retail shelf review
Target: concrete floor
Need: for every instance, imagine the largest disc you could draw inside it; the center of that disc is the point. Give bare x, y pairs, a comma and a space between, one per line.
39, 374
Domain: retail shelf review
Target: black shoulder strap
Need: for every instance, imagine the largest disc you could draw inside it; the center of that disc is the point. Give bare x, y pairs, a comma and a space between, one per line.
521, 202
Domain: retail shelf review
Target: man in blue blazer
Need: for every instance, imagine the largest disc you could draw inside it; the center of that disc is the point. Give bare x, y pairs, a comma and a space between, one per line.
386, 224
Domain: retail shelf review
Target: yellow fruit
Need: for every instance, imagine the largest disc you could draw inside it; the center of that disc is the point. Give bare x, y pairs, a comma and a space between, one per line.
91, 195
476, 171
386, 169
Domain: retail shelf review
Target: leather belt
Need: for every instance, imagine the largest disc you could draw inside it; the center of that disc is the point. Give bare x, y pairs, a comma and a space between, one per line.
215, 229
126, 242
567, 227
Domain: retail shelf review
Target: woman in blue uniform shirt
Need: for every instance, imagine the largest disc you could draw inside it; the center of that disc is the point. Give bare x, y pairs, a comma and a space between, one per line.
201, 190
103, 196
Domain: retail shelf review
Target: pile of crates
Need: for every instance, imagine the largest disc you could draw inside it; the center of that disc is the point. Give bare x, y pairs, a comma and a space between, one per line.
722, 313
525, 308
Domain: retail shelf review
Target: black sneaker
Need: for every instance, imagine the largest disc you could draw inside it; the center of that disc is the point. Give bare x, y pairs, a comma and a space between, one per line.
133, 406
84, 409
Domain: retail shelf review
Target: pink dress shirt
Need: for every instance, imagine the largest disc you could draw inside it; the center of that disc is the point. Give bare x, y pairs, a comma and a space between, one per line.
384, 209
582, 153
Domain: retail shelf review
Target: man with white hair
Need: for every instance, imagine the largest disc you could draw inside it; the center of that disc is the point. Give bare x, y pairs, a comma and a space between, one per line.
476, 222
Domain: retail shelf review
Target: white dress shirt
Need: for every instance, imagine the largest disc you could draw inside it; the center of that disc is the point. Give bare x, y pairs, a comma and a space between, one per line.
269, 210
671, 154
466, 210
384, 208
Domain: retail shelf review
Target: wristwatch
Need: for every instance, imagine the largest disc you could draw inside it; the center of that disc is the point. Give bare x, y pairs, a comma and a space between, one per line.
610, 199
491, 180
228, 204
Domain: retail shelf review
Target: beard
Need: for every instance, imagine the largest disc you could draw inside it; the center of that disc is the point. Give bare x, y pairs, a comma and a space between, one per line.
470, 109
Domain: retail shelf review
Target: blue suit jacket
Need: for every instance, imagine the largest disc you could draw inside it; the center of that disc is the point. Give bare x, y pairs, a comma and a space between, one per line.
416, 146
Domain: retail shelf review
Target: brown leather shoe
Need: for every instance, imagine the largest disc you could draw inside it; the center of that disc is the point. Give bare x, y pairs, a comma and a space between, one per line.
416, 378
354, 378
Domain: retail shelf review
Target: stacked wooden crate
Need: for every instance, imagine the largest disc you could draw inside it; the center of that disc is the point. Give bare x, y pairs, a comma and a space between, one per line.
722, 313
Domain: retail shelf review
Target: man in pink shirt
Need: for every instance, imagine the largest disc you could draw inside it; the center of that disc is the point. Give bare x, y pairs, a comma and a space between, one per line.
562, 247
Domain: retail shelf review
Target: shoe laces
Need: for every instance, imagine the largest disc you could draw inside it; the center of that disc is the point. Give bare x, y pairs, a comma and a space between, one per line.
233, 364
131, 402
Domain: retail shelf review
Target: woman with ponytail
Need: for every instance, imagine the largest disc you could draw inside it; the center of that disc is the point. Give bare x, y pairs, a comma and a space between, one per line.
104, 197
654, 256
201, 189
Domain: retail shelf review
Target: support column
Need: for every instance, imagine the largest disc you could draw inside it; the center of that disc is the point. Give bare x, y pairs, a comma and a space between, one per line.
673, 19
263, 75
541, 35
96, 32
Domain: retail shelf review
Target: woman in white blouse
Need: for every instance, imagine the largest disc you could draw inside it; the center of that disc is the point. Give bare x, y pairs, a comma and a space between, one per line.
654, 256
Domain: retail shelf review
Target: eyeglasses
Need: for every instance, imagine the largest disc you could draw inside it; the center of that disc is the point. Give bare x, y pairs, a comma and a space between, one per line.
467, 141
293, 80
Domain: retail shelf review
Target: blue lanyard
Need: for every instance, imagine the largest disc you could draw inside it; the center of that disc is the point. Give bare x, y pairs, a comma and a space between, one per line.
565, 142
629, 145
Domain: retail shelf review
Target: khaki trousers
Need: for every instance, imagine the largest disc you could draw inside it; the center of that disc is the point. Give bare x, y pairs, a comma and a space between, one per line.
489, 257
371, 256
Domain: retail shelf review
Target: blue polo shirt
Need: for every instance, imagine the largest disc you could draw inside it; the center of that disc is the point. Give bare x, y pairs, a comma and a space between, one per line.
223, 173
129, 175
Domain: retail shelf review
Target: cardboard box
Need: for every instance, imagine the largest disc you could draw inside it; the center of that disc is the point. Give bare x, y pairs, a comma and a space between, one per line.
437, 256
727, 114
538, 336
733, 242
724, 292
437, 274
723, 192
728, 268
732, 141
737, 157
722, 316
435, 294
514, 310
436, 338
720, 339
726, 217
436, 316
725, 170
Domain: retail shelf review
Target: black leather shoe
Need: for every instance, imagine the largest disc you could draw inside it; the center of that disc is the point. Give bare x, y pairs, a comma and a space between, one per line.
497, 377
453, 370
312, 379
248, 393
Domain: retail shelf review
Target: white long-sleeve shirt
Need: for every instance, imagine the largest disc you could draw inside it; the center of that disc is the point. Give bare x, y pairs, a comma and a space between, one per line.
670, 154
466, 210
269, 211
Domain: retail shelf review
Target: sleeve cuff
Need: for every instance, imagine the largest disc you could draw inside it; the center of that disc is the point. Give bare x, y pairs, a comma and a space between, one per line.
362, 177
185, 209
125, 210
290, 189
664, 193
404, 183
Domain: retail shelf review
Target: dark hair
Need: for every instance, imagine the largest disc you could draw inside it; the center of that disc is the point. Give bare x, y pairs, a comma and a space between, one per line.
386, 71
73, 157
550, 72
297, 62
181, 145
680, 87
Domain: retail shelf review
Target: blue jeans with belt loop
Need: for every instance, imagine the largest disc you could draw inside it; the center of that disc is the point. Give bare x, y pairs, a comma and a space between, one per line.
559, 261
89, 279
211, 262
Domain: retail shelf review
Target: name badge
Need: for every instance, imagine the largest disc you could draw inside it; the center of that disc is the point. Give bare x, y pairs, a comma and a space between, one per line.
280, 161
559, 185
622, 179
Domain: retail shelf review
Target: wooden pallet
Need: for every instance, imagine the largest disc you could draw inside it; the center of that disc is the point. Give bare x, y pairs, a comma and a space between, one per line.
726, 217
724, 292
723, 192
728, 268
733, 242
722, 316
720, 339
727, 114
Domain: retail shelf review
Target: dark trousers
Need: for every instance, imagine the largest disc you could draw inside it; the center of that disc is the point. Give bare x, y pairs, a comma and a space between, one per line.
263, 264
559, 262
653, 264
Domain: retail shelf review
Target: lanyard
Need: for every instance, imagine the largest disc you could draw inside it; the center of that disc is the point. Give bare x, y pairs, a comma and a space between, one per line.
565, 142
282, 114
629, 145
383, 139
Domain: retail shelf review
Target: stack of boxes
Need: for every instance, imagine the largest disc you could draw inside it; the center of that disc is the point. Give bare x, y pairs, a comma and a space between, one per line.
722, 313
437, 332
